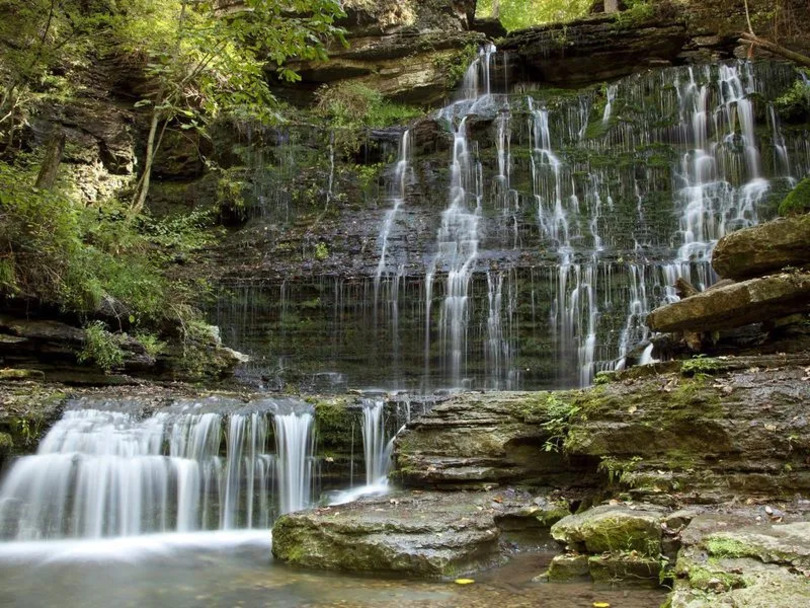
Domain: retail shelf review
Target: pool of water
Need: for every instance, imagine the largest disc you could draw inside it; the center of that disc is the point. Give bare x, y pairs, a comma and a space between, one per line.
231, 569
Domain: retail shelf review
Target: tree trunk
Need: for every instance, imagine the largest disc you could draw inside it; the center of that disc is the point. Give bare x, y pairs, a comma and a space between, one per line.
50, 164
143, 186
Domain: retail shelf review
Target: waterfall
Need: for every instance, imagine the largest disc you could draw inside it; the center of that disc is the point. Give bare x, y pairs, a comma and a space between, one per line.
110, 472
457, 240
529, 255
376, 449
294, 444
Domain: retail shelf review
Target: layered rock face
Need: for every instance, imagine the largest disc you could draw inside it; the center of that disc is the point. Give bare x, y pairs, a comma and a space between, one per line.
404, 50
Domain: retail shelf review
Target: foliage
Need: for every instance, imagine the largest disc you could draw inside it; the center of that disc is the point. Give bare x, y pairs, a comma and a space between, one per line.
151, 344
101, 347
35, 37
321, 252
637, 11
794, 104
518, 14
92, 261
351, 107
798, 200
559, 414
700, 365
352, 104
455, 65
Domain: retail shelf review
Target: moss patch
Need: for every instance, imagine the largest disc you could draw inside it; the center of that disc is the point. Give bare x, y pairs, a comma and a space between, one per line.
798, 200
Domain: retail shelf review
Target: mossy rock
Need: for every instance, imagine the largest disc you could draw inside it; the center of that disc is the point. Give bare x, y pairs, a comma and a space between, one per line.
626, 568
568, 567
798, 200
611, 528
21, 374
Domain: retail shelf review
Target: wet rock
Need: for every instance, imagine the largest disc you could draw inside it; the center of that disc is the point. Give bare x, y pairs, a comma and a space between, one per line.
630, 569
735, 305
764, 249
476, 440
568, 567
426, 535
611, 528
740, 564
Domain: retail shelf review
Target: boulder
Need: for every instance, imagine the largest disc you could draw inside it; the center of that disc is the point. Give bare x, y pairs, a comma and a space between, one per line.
629, 568
763, 249
567, 567
718, 429
612, 528
756, 300
419, 534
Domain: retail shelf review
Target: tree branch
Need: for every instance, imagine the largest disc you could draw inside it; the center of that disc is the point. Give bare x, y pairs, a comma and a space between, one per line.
777, 49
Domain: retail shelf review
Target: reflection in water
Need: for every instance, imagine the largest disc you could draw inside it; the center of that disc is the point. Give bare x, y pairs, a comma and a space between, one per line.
235, 569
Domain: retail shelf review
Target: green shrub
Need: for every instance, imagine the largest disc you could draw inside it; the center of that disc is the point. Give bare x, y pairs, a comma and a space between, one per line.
101, 347
794, 104
55, 250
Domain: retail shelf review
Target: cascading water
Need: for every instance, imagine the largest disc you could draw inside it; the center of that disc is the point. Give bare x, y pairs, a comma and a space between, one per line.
565, 220
294, 445
376, 448
103, 473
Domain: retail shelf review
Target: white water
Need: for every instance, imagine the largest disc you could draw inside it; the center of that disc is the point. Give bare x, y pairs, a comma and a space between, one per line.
376, 448
101, 473
294, 444
458, 239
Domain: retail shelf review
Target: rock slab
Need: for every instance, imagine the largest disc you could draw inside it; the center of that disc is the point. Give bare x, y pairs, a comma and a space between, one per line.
420, 534
763, 249
752, 301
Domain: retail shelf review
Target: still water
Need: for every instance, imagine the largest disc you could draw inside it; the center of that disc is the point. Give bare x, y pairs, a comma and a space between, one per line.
231, 569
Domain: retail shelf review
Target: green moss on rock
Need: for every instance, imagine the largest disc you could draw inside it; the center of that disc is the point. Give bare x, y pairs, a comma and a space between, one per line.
611, 528
798, 200
568, 567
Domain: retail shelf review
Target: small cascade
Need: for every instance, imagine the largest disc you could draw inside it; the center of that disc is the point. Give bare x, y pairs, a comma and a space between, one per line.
294, 443
498, 346
610, 94
402, 176
110, 472
781, 156
376, 449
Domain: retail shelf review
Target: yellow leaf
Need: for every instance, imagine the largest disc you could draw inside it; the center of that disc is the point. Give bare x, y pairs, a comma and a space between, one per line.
464, 581
601, 605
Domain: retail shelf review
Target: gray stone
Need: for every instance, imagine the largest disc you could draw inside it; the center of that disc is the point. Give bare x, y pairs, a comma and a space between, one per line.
611, 528
568, 567
420, 534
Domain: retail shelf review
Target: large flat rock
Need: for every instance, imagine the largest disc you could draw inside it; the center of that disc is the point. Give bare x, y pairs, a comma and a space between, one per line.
420, 534
753, 301
763, 249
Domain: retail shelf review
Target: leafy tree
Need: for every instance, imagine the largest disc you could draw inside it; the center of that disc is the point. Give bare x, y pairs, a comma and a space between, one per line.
517, 14
35, 35
206, 58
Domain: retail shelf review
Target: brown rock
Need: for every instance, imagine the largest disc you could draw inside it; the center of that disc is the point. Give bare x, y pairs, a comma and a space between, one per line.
735, 305
763, 249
